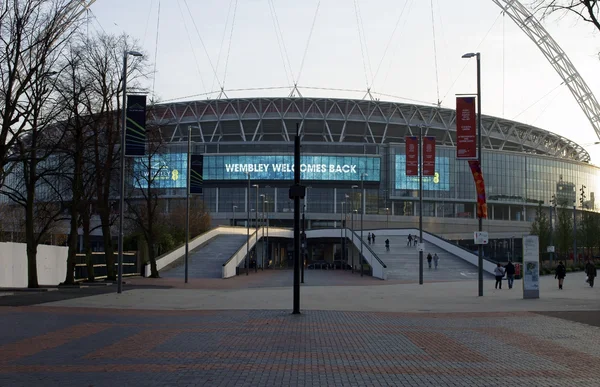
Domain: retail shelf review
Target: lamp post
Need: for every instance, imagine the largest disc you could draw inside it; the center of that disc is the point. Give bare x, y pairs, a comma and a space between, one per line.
341, 235
256, 226
262, 224
362, 211
420, 204
387, 214
353, 211
122, 188
267, 245
187, 204
233, 220
480, 247
247, 225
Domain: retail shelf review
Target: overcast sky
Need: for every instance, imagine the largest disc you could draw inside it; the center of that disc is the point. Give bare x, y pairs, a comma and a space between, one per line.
518, 83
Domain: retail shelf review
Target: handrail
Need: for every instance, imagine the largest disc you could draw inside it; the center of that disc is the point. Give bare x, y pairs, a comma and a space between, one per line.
459, 246
369, 248
241, 247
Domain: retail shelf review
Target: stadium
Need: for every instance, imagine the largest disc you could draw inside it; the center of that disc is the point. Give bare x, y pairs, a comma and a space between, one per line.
353, 162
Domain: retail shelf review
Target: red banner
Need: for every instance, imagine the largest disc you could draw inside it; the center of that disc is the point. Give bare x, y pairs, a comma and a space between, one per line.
412, 155
480, 187
428, 156
466, 128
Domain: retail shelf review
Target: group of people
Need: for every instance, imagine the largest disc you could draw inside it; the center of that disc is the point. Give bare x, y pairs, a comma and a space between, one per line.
412, 240
435, 260
561, 272
508, 270
371, 237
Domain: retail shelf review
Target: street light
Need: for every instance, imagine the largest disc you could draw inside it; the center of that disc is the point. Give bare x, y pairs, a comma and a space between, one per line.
267, 224
480, 246
262, 252
122, 191
387, 213
247, 225
341, 235
233, 221
352, 217
362, 212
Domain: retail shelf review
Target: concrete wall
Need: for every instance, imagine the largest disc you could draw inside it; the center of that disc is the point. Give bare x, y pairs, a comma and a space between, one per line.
51, 265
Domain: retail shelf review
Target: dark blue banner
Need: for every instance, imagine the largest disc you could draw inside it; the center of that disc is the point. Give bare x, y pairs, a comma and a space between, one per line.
196, 167
135, 133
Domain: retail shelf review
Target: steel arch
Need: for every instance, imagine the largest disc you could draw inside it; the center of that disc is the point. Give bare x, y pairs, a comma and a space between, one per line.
557, 58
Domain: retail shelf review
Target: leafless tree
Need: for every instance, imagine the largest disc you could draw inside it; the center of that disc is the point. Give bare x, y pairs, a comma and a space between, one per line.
588, 10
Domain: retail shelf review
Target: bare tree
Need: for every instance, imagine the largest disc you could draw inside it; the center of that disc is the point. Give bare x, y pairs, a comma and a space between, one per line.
588, 10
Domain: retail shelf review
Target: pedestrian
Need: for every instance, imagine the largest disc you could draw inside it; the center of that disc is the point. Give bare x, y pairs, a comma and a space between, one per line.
499, 273
387, 244
560, 272
409, 240
369, 238
435, 260
429, 258
590, 270
510, 273
415, 240
373, 237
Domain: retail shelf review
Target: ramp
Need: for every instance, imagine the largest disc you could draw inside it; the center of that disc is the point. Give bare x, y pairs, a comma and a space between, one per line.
207, 260
402, 261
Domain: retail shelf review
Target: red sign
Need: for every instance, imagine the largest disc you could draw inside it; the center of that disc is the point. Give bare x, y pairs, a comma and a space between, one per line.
466, 128
428, 156
412, 155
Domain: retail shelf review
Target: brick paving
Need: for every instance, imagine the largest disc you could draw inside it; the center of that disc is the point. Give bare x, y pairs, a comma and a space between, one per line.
48, 346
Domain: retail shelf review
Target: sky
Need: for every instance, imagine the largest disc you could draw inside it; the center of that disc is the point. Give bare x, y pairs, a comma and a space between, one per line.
317, 44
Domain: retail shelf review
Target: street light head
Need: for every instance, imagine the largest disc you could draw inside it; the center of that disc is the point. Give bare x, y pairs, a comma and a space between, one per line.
470, 55
134, 53
355, 186
255, 185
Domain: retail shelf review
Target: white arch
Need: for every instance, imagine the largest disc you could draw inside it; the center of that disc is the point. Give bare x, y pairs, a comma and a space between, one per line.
557, 58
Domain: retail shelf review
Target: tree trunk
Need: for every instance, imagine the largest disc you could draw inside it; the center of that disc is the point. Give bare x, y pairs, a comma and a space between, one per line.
32, 278
152, 258
71, 255
87, 246
109, 254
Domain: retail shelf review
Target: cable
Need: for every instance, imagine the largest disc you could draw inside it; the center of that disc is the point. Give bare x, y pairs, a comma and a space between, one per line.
362, 27
538, 101
467, 62
192, 45
387, 46
437, 79
202, 43
289, 76
230, 40
308, 42
387, 73
503, 60
156, 51
147, 22
222, 42
361, 44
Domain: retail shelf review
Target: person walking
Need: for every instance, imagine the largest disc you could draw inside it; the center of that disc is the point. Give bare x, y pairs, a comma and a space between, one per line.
373, 237
590, 270
435, 260
409, 240
387, 244
560, 272
369, 238
499, 273
429, 260
510, 273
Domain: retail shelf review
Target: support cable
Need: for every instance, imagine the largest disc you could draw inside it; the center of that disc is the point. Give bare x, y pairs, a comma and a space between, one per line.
467, 62
147, 22
287, 67
389, 42
387, 73
230, 40
537, 101
503, 60
212, 86
361, 44
156, 54
364, 36
192, 46
308, 42
203, 46
437, 79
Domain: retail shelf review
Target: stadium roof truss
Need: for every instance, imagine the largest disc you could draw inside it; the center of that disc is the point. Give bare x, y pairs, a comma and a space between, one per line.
344, 121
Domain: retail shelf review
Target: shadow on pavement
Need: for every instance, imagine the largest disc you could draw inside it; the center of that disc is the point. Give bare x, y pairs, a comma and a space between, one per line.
589, 317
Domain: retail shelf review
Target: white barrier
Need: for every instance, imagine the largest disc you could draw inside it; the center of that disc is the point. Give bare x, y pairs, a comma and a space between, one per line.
167, 259
51, 265
379, 271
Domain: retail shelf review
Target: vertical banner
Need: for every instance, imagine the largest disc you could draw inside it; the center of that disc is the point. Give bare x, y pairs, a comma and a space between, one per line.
196, 180
531, 266
466, 128
480, 187
135, 131
428, 156
412, 155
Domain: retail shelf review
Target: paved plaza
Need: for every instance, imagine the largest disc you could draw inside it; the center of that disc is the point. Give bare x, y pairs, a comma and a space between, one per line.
352, 331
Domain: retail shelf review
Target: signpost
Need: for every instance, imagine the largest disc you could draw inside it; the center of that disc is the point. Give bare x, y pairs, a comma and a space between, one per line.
531, 267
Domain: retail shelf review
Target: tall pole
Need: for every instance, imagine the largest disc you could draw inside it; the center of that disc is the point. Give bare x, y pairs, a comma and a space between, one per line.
304, 241
296, 195
122, 182
256, 234
233, 221
267, 249
575, 259
247, 225
387, 221
362, 211
341, 235
353, 210
479, 154
187, 205
551, 230
262, 253
421, 205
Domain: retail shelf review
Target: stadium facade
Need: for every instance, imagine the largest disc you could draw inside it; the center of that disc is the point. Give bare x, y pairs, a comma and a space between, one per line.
347, 144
